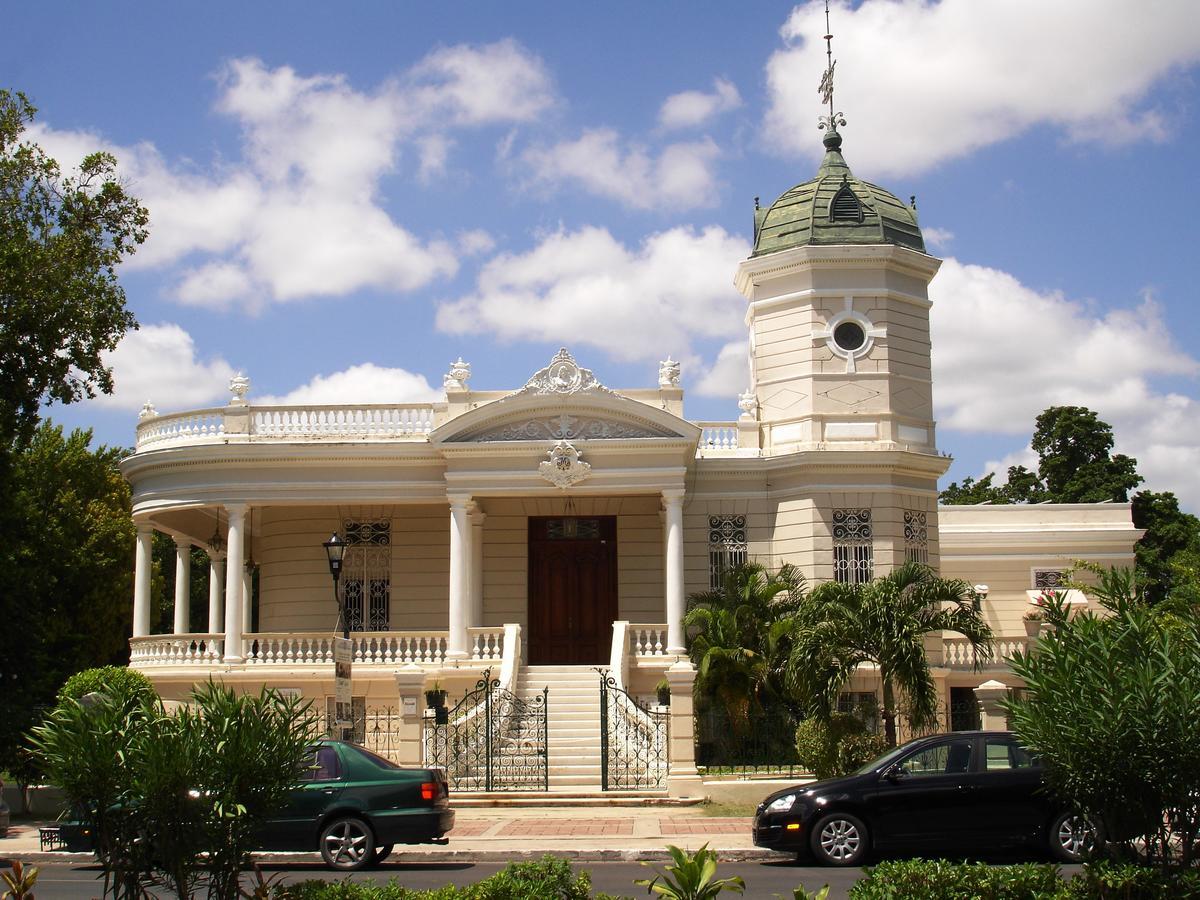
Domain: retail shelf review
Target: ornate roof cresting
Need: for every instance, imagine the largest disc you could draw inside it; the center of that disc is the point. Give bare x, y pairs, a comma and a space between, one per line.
563, 376
239, 386
668, 373
458, 376
564, 467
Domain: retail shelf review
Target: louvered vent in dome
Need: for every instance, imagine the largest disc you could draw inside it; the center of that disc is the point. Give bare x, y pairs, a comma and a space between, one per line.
845, 207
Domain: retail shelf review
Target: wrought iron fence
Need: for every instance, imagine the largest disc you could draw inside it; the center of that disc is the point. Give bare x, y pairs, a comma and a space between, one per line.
760, 742
633, 741
377, 729
492, 740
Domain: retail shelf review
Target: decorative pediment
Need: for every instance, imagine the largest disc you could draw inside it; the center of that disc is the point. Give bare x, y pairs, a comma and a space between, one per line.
565, 427
563, 376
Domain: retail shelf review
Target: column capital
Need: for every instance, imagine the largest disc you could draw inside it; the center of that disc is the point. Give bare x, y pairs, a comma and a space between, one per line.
476, 514
144, 528
460, 501
235, 509
673, 496
183, 543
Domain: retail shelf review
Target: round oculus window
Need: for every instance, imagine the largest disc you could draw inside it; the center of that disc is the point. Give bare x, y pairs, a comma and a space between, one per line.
849, 336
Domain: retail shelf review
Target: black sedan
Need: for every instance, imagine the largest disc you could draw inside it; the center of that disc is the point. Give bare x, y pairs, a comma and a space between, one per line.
352, 805
964, 791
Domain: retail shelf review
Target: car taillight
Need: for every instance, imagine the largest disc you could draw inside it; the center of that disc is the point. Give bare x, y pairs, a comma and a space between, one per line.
430, 790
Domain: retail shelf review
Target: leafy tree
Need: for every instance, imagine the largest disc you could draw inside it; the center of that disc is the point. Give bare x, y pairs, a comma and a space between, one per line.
883, 622
734, 639
119, 681
1110, 705
1075, 459
1170, 532
61, 240
65, 573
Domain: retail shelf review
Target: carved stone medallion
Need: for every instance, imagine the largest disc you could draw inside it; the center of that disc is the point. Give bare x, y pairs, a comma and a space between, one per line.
564, 467
563, 376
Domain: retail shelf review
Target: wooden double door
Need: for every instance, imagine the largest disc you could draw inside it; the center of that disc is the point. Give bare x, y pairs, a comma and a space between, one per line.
572, 589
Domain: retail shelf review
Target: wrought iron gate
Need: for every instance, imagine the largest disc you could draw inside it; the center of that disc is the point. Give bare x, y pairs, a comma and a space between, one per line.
633, 741
492, 740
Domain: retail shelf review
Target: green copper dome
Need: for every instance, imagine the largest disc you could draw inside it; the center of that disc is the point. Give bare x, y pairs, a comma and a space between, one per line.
835, 208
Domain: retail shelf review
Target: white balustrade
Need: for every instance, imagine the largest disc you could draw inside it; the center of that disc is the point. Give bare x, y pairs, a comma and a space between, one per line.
370, 648
358, 422
486, 643
175, 650
648, 640
958, 653
717, 436
195, 427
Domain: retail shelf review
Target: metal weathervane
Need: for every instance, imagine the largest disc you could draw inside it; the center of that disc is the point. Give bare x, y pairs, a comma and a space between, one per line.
825, 88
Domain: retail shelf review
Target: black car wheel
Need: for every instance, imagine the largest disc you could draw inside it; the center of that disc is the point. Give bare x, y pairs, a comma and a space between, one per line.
381, 853
347, 844
839, 839
1072, 837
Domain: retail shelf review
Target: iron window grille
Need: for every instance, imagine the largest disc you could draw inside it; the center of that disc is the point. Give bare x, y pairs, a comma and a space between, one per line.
853, 546
862, 704
366, 581
727, 547
1049, 579
916, 537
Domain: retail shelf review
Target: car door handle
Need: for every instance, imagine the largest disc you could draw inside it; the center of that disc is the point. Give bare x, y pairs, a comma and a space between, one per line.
326, 790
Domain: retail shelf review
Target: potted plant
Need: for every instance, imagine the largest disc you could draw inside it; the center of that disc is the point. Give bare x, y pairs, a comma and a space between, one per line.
1033, 622
663, 690
435, 697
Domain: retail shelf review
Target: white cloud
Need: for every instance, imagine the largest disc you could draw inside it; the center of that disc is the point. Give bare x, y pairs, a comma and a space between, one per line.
365, 383
1003, 352
729, 374
475, 241
158, 363
299, 215
690, 109
680, 177
586, 287
974, 72
937, 238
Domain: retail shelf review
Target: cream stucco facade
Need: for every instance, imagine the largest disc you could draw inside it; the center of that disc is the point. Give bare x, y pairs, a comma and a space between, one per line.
458, 512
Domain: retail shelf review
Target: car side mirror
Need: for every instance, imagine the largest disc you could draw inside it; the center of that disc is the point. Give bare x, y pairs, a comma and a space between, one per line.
895, 773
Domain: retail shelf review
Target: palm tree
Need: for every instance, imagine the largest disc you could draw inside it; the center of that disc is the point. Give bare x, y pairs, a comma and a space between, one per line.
732, 644
882, 622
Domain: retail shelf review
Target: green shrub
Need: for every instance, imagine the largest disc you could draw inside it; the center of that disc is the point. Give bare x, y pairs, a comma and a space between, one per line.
1114, 881
837, 746
125, 684
923, 879
545, 879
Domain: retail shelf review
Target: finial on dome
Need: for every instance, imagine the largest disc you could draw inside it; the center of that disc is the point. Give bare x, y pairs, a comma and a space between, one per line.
830, 122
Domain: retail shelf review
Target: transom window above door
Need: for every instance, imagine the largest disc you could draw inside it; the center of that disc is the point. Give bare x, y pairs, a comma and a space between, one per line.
572, 529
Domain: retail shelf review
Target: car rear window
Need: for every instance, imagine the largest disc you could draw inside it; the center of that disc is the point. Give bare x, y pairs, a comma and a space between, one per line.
1003, 755
374, 758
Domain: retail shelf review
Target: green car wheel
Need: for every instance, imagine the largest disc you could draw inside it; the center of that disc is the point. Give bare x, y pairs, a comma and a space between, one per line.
347, 844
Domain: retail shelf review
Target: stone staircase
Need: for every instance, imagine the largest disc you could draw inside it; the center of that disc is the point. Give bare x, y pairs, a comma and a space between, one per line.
572, 723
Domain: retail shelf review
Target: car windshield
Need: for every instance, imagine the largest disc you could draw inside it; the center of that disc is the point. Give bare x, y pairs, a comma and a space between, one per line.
881, 761
374, 758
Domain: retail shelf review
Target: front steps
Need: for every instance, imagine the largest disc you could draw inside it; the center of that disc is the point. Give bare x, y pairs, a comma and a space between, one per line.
572, 725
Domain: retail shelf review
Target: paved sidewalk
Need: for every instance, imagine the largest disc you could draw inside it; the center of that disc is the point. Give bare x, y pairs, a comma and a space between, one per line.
492, 834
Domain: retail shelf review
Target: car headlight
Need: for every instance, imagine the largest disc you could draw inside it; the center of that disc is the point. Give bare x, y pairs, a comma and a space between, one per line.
782, 804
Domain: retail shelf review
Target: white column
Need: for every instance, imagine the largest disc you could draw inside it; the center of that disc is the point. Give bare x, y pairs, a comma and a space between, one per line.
460, 575
673, 541
233, 583
247, 601
216, 596
475, 620
183, 585
142, 561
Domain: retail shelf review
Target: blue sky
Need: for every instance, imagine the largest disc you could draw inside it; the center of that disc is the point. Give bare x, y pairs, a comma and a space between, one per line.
346, 197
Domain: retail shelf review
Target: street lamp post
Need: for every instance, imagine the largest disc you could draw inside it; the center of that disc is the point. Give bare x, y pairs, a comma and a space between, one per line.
335, 549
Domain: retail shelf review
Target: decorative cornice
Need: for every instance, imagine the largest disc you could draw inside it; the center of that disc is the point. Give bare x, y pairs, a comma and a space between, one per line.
562, 376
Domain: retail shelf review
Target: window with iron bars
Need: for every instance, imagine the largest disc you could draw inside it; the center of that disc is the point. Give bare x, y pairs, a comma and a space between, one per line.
727, 547
853, 546
366, 581
916, 537
1049, 579
862, 704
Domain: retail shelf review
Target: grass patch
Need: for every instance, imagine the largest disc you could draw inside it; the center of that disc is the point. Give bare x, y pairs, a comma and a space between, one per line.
729, 810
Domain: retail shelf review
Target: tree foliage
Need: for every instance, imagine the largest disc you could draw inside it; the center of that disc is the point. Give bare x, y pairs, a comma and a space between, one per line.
175, 798
61, 240
65, 573
1110, 705
735, 642
883, 622
837, 745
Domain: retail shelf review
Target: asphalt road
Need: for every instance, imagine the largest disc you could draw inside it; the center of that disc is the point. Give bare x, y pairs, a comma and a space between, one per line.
59, 881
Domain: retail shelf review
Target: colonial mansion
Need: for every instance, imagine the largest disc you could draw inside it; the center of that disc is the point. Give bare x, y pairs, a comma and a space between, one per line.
556, 529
